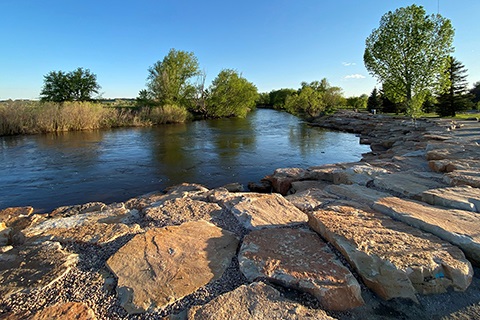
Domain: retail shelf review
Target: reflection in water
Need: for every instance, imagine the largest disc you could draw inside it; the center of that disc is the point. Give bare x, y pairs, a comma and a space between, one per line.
47, 171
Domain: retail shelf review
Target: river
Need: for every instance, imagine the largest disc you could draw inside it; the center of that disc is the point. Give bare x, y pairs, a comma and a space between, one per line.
51, 170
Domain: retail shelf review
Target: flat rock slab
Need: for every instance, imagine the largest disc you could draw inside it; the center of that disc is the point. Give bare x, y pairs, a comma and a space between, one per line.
256, 301
180, 210
458, 227
357, 193
109, 216
463, 178
299, 259
447, 165
163, 265
66, 311
358, 174
405, 184
258, 210
282, 178
98, 234
462, 198
394, 259
155, 198
32, 266
310, 199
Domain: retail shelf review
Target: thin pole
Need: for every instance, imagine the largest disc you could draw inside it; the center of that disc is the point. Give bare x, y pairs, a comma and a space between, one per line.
438, 6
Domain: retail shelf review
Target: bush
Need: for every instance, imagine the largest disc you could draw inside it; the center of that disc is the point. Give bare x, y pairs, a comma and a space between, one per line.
166, 114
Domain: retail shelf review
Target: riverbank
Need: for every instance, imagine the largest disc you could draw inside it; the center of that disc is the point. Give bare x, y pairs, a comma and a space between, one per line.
33, 117
156, 255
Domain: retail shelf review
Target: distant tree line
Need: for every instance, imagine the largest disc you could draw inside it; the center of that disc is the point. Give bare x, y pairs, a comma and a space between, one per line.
310, 100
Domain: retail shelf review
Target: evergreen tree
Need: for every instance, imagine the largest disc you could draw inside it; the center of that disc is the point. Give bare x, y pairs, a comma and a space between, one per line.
374, 102
475, 92
456, 96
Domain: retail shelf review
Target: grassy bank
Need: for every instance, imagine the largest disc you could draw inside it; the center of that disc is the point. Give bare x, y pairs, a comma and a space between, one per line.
30, 117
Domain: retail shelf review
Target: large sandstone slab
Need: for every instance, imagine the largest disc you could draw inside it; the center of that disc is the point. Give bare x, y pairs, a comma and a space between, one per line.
98, 233
180, 210
309, 199
282, 178
358, 174
463, 178
448, 165
109, 216
357, 193
155, 198
163, 265
66, 311
462, 198
405, 184
258, 210
455, 226
299, 259
394, 259
256, 301
26, 267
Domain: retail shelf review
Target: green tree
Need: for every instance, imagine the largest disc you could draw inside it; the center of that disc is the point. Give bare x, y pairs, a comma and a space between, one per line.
77, 85
456, 96
230, 95
315, 98
475, 92
170, 81
374, 101
408, 53
358, 103
278, 97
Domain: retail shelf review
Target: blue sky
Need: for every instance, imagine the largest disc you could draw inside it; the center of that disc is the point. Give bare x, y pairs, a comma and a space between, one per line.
274, 44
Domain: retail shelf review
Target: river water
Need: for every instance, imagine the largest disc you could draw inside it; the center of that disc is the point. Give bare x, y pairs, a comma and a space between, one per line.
50, 170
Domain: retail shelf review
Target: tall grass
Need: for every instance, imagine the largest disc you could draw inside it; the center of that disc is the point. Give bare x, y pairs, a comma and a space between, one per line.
29, 117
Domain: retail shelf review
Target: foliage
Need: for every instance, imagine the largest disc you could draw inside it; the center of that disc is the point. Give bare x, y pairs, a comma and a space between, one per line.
314, 98
29, 117
408, 53
77, 85
357, 103
456, 96
165, 114
374, 101
170, 81
475, 92
230, 95
263, 100
278, 97
144, 99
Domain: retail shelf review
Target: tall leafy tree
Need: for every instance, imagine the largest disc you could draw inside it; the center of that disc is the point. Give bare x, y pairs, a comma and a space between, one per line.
230, 95
315, 98
407, 53
455, 97
171, 81
77, 85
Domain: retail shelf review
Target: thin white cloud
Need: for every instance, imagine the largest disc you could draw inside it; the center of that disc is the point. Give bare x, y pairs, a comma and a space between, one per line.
355, 76
348, 64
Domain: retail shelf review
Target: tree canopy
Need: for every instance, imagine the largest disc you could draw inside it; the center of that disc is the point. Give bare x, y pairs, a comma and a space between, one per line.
314, 98
171, 81
407, 53
455, 97
230, 95
77, 85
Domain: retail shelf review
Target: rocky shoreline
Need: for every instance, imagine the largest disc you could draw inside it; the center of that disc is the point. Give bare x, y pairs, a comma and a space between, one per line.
393, 236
